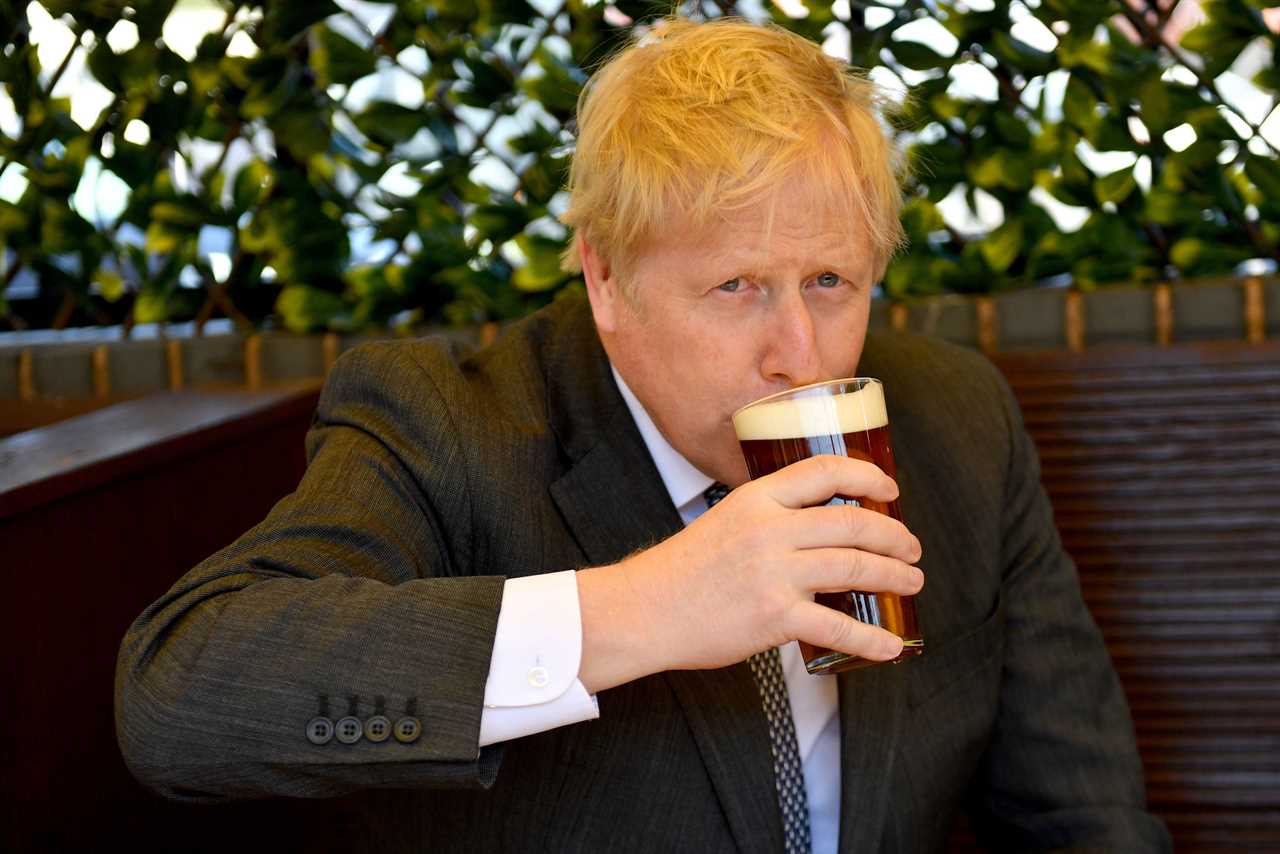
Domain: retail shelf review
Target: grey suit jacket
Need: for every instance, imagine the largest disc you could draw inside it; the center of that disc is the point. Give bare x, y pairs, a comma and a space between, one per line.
375, 588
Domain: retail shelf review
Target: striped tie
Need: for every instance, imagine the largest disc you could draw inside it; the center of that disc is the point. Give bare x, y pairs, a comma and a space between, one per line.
788, 777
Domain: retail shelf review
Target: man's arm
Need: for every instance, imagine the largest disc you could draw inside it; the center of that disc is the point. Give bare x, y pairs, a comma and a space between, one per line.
350, 600
1062, 769
341, 602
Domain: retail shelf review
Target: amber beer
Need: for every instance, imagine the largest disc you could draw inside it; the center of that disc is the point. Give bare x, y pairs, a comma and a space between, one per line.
846, 417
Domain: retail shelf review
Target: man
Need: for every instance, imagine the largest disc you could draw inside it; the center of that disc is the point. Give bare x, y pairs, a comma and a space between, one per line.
487, 550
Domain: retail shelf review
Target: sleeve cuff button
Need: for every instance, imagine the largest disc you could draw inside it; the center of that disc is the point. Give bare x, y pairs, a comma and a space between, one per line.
349, 730
407, 730
319, 730
377, 729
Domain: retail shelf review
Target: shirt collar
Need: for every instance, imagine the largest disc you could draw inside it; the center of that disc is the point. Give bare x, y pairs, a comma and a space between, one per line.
683, 482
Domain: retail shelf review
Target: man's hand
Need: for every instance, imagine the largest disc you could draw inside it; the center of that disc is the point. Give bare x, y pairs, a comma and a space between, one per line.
741, 578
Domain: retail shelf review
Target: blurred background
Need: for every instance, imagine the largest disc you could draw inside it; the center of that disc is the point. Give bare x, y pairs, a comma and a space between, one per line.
204, 202
351, 165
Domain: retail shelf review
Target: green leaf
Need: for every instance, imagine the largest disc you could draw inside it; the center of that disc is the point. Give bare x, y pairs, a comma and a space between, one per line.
1217, 45
920, 218
151, 307
162, 238
304, 309
302, 130
541, 271
1021, 56
1082, 15
500, 222
1115, 187
61, 228
537, 139
1112, 134
1079, 104
1268, 77
1194, 256
918, 274
1004, 167
12, 218
917, 56
337, 59
490, 82
388, 123
1013, 129
1264, 172
285, 19
557, 87
545, 177
185, 212
110, 284
1167, 207
251, 184
1078, 49
1001, 247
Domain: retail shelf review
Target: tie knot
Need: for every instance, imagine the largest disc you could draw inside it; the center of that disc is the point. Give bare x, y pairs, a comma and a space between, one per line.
714, 493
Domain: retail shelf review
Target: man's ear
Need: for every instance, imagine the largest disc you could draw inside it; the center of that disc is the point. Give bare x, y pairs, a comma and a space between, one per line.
602, 287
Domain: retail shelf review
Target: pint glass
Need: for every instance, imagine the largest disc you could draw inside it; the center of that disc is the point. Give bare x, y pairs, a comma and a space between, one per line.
846, 417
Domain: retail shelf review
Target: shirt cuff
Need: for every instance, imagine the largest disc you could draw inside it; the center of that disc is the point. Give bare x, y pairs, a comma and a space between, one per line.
533, 673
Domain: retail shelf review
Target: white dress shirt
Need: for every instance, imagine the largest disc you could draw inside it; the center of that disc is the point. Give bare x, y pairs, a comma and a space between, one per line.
533, 684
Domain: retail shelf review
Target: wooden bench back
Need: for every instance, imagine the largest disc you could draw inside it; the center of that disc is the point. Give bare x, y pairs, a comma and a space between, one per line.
1163, 465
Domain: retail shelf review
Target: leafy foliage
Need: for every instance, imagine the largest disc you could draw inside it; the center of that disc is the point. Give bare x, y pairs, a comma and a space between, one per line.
324, 167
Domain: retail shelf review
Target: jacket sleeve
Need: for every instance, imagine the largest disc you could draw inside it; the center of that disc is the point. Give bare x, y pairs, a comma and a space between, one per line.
1062, 770
347, 601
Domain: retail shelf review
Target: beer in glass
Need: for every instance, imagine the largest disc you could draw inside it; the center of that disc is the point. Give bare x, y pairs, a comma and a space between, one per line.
846, 417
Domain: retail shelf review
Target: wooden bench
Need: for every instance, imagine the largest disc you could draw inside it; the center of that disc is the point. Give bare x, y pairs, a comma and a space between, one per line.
1163, 465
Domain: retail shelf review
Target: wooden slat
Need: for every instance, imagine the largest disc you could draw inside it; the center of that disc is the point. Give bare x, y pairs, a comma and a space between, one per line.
1163, 465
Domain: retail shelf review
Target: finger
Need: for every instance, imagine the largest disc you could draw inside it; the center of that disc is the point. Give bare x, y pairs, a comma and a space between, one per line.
837, 570
816, 479
846, 526
827, 627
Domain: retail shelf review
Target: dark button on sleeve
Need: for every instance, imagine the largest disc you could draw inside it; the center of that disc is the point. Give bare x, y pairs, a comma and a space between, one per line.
377, 728
408, 730
319, 730
349, 730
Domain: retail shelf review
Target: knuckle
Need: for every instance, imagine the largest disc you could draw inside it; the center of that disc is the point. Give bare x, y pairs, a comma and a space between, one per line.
856, 567
839, 632
855, 522
835, 465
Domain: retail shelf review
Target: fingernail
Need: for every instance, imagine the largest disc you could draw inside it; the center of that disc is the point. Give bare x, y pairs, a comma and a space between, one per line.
917, 577
894, 648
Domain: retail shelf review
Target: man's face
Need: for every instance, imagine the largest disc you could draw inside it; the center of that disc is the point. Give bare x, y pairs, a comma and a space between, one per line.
716, 318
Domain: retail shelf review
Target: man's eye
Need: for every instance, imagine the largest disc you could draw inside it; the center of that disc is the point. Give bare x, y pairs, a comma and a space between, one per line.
730, 286
828, 280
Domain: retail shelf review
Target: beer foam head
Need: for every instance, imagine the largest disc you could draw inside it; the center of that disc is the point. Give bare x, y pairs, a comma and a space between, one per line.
815, 413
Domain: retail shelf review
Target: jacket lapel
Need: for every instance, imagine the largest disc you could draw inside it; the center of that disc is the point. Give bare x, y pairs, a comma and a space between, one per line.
872, 702
613, 502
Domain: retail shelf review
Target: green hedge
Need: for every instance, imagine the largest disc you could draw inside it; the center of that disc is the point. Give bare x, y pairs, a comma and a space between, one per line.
258, 176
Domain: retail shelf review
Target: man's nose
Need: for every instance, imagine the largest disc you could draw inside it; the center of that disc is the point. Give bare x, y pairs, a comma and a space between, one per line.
791, 353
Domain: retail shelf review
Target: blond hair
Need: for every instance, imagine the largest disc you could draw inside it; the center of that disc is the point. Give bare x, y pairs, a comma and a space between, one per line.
698, 120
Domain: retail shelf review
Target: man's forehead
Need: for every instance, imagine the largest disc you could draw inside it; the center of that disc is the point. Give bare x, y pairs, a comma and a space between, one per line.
822, 239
